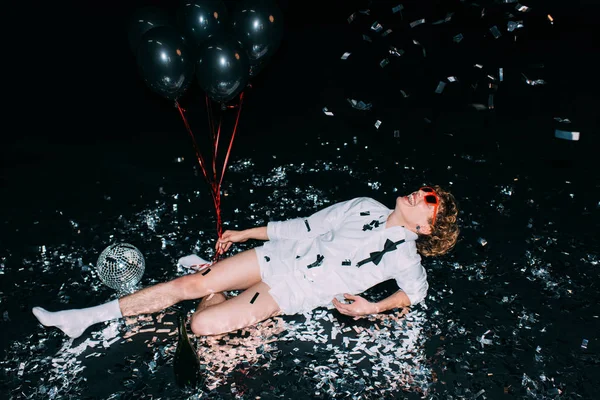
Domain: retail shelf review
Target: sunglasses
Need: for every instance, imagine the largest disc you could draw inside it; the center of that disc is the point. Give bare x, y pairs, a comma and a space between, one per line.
431, 198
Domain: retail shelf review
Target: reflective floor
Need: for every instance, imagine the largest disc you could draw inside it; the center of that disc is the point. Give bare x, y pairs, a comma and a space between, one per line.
511, 312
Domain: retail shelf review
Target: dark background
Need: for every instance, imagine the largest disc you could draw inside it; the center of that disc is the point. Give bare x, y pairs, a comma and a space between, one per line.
81, 127
75, 82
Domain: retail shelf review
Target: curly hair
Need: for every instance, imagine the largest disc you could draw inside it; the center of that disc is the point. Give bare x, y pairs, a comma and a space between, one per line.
444, 233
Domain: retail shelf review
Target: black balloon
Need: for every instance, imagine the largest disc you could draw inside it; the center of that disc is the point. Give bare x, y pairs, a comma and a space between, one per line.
222, 69
165, 62
144, 19
258, 25
201, 20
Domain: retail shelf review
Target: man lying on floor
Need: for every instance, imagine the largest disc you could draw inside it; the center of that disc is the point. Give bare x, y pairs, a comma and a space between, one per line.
326, 259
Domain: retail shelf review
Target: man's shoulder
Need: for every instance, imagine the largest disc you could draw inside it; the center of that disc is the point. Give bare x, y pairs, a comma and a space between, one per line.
366, 202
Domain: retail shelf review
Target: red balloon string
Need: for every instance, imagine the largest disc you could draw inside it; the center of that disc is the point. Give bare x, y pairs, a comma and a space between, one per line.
215, 185
237, 120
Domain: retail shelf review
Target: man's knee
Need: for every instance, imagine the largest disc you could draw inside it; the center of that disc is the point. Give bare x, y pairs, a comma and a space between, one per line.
205, 323
189, 287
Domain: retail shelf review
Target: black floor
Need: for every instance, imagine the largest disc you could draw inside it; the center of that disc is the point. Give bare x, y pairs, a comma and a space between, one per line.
94, 157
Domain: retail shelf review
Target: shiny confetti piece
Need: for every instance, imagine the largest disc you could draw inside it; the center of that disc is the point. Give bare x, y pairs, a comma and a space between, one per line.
550, 19
567, 135
384, 62
417, 22
534, 82
254, 298
359, 105
396, 133
584, 344
512, 25
397, 9
351, 18
501, 74
495, 32
458, 38
377, 27
384, 34
491, 101
377, 124
482, 241
452, 79
327, 112
522, 8
562, 120
367, 38
448, 18
365, 11
440, 87
404, 94
396, 52
345, 56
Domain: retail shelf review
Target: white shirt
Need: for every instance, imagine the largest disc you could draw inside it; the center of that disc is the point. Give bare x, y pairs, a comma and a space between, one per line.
329, 253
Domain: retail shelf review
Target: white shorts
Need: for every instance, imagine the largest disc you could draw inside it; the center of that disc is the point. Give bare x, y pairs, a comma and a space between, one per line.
292, 293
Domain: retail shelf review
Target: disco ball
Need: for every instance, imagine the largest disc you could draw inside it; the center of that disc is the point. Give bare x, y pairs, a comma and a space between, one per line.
121, 266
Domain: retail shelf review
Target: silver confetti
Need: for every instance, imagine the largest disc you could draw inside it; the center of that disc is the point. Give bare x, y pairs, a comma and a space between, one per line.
567, 135
440, 87
512, 25
495, 31
360, 105
398, 8
377, 27
417, 22
534, 82
562, 120
396, 52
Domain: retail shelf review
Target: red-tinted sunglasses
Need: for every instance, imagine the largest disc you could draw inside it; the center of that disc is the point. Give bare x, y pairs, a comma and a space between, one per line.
431, 198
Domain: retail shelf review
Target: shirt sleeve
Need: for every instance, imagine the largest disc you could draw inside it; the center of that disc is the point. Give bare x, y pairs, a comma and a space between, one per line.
413, 282
321, 222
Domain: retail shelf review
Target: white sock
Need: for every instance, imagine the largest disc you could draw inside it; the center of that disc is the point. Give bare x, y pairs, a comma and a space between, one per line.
75, 322
193, 262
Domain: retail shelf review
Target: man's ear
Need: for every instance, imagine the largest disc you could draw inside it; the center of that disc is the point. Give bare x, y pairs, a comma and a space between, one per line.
425, 229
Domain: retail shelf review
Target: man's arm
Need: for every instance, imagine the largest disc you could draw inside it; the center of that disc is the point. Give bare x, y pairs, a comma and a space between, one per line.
396, 300
228, 237
361, 306
258, 233
320, 222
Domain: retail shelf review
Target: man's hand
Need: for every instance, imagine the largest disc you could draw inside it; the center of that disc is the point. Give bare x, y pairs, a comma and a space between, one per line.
228, 238
359, 306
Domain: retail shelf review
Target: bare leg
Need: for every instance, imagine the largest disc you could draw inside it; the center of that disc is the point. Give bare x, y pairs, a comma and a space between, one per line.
238, 272
211, 300
241, 311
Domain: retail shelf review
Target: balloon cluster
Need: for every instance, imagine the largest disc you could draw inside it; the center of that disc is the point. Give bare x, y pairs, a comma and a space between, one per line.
223, 51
